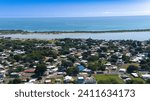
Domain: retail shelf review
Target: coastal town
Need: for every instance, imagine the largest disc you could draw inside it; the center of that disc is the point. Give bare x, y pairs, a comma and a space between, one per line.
74, 61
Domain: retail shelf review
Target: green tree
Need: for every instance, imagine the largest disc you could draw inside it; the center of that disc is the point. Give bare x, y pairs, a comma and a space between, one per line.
40, 69
93, 58
35, 55
97, 65
72, 71
19, 69
66, 63
132, 68
72, 58
148, 81
126, 59
1, 49
15, 81
18, 57
113, 59
145, 67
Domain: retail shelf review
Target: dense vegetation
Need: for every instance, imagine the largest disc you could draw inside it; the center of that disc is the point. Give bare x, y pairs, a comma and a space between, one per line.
65, 53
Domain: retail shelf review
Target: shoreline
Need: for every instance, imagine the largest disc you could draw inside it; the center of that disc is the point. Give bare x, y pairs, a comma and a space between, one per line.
5, 32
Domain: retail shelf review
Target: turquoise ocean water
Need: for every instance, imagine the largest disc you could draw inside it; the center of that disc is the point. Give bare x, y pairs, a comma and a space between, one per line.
76, 24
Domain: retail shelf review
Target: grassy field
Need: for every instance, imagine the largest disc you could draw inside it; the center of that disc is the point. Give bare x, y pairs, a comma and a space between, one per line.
137, 80
128, 64
108, 79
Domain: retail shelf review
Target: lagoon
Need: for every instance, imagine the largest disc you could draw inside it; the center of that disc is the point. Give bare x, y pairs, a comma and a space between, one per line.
140, 36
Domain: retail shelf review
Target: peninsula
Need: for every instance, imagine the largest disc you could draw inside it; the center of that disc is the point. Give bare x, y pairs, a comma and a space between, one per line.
59, 32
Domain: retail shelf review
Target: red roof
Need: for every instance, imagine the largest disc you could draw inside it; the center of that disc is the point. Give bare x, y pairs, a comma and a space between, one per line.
29, 71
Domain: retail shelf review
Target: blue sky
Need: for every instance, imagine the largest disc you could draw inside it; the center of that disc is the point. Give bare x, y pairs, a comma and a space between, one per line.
73, 8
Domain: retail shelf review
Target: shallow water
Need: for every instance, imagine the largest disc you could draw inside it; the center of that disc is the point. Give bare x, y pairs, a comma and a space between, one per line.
141, 36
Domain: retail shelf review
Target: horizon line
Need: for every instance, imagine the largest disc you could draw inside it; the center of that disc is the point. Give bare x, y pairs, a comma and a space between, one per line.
77, 16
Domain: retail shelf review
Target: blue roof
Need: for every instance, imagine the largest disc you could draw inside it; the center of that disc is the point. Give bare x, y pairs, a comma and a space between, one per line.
81, 68
1, 76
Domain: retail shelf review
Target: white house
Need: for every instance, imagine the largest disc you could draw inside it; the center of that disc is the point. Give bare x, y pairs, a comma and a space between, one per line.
68, 79
122, 70
1, 67
135, 75
146, 76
